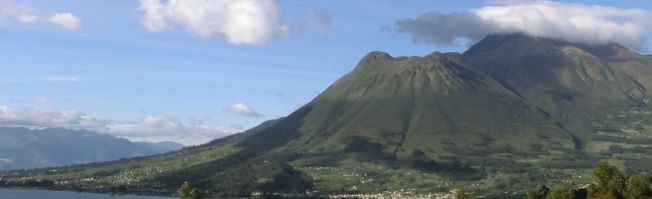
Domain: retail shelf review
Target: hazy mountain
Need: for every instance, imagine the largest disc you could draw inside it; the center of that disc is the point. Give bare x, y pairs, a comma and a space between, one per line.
25, 148
512, 112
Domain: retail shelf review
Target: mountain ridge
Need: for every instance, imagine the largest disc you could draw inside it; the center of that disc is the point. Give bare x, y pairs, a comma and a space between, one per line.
512, 110
23, 148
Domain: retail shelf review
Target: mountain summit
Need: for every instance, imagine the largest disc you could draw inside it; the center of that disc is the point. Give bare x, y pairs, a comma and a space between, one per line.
512, 111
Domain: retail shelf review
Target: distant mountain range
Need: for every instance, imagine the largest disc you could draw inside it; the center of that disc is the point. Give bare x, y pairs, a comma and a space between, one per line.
22, 148
512, 112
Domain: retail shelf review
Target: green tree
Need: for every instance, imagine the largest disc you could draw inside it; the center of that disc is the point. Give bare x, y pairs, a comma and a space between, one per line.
608, 182
461, 194
564, 191
188, 192
540, 193
638, 186
194, 194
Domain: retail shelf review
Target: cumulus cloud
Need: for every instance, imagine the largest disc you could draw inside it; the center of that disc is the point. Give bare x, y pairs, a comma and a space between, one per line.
165, 128
67, 20
150, 129
25, 14
237, 21
242, 110
321, 22
568, 21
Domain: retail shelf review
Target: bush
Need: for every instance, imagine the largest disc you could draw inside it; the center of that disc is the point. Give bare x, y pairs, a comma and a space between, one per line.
564, 191
461, 194
540, 193
609, 182
638, 186
188, 192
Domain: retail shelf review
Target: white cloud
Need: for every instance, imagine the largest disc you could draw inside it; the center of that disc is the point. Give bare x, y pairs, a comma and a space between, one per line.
25, 14
20, 13
569, 21
153, 15
321, 22
237, 21
67, 20
165, 128
49, 118
242, 110
150, 129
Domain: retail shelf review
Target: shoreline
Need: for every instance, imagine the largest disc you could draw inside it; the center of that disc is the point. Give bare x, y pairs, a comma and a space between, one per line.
126, 196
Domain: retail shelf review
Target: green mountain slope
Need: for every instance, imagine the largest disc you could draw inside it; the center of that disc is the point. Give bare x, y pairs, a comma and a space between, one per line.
512, 112
422, 103
556, 74
598, 93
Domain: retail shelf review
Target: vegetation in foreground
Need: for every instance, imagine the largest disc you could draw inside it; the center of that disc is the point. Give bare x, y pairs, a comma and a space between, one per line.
608, 183
187, 191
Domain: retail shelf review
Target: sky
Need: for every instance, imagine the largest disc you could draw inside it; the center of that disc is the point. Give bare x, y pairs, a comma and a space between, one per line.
194, 70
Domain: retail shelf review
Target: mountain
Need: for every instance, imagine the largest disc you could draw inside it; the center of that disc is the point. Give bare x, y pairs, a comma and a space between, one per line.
22, 148
163, 146
513, 111
574, 84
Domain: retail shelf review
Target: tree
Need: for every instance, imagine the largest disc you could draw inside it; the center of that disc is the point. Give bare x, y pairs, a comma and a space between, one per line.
540, 193
194, 194
461, 194
188, 192
638, 186
608, 182
564, 191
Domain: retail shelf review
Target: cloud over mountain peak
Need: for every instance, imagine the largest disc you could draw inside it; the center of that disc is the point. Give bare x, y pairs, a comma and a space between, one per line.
568, 21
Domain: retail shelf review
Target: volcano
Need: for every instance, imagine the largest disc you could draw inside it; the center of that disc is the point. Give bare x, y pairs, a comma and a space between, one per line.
511, 112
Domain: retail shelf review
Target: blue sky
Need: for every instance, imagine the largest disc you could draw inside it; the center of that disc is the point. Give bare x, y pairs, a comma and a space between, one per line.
114, 68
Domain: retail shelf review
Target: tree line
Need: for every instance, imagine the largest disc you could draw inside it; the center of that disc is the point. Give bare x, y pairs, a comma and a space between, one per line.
608, 183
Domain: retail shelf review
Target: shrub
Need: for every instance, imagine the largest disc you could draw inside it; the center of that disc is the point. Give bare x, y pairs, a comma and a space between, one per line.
564, 191
608, 182
188, 192
638, 186
461, 194
540, 193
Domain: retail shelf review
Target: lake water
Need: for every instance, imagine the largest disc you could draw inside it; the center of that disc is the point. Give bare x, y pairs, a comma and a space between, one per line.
41, 194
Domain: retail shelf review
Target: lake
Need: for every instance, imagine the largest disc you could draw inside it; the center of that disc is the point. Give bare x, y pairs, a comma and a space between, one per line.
42, 194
